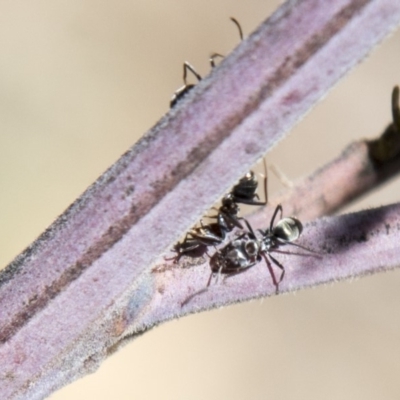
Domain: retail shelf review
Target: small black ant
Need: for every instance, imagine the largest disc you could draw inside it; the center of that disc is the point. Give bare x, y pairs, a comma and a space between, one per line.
247, 250
182, 91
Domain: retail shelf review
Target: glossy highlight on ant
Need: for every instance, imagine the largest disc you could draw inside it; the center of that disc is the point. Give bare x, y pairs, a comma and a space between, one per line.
182, 91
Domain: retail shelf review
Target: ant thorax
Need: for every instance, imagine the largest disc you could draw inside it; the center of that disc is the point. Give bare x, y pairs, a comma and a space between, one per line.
239, 254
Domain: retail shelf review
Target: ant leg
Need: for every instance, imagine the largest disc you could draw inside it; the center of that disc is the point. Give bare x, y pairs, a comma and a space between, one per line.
186, 67
175, 258
232, 219
284, 242
249, 227
272, 273
395, 107
192, 296
216, 55
279, 265
182, 91
252, 202
277, 209
219, 274
265, 181
265, 176
184, 247
236, 22
285, 181
213, 216
215, 247
230, 274
202, 224
179, 253
213, 57
209, 280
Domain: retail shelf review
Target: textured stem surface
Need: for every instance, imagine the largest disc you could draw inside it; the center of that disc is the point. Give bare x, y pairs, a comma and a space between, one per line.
69, 298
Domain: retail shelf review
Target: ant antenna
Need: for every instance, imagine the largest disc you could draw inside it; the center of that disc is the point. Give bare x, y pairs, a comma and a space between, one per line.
186, 67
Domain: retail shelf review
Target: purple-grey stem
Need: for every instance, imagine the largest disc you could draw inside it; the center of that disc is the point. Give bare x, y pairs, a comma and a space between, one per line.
86, 283
344, 247
337, 183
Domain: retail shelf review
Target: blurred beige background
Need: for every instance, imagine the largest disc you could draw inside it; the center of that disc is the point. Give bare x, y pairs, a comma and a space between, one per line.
81, 81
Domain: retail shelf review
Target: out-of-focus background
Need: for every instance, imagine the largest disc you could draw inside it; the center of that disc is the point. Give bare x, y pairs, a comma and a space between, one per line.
80, 82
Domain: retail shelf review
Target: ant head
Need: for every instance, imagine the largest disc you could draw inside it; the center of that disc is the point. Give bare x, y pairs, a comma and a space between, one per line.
288, 229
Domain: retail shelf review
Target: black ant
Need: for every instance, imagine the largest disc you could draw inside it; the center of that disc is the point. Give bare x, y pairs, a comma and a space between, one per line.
247, 250
182, 91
